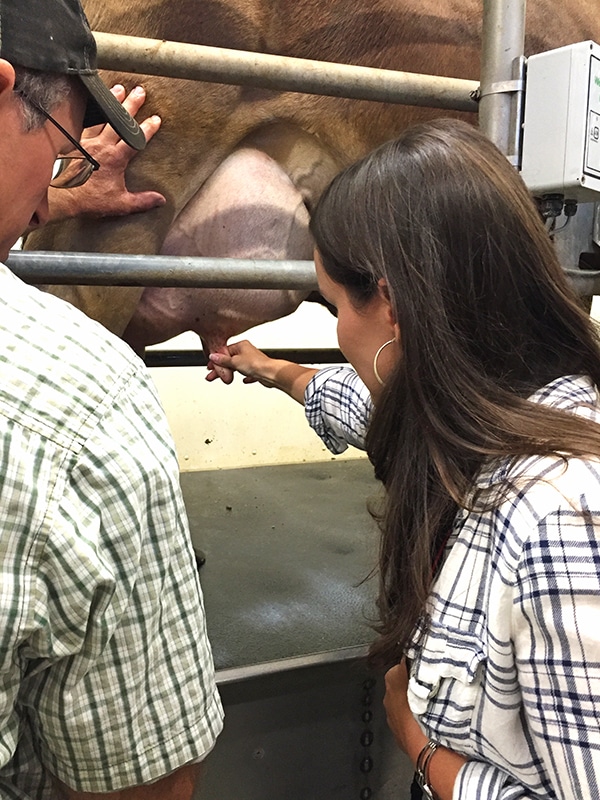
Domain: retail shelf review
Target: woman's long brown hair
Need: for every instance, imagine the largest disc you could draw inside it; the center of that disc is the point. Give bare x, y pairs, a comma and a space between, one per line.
486, 318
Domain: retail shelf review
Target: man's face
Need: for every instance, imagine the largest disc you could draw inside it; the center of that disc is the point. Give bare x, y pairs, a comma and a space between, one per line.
26, 161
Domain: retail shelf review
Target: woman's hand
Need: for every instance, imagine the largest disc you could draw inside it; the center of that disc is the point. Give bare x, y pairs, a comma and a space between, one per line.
246, 359
255, 366
105, 193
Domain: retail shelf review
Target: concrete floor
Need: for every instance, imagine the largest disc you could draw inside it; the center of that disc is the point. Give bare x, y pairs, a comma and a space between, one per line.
288, 549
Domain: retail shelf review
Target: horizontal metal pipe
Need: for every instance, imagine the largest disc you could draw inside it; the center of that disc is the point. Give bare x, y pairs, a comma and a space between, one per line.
112, 269
196, 358
282, 73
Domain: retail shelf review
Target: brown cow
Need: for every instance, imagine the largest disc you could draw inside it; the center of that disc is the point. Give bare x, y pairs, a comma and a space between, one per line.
241, 167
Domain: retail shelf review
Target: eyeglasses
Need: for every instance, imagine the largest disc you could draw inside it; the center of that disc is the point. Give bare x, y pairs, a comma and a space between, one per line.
68, 171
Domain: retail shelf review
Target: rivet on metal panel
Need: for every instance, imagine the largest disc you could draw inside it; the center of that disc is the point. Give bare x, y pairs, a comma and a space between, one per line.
366, 765
367, 738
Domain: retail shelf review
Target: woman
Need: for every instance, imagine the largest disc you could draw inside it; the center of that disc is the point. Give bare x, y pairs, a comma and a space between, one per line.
485, 434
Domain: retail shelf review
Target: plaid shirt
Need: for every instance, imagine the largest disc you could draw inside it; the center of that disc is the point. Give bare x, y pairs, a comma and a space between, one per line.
106, 677
338, 407
507, 671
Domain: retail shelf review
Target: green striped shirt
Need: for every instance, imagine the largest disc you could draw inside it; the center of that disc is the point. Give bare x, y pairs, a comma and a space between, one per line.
106, 676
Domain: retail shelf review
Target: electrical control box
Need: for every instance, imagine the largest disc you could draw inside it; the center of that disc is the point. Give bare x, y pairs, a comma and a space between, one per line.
561, 129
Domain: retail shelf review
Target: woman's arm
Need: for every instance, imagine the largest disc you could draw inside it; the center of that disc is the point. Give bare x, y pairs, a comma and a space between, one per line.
338, 404
257, 367
338, 408
444, 765
551, 619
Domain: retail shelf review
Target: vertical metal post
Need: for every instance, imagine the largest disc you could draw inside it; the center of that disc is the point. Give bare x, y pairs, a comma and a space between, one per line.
501, 91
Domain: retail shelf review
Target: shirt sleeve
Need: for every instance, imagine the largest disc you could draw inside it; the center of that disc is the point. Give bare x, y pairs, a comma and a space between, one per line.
556, 608
338, 408
477, 780
120, 689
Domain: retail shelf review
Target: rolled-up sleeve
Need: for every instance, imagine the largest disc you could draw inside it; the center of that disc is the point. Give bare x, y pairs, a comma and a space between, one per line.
477, 780
338, 408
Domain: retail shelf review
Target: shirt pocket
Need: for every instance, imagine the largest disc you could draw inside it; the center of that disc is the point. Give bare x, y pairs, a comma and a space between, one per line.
446, 675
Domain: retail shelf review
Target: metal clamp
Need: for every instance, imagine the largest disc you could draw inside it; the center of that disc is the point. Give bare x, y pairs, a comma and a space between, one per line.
504, 87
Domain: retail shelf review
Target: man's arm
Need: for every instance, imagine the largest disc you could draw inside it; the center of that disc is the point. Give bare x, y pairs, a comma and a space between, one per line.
132, 703
179, 785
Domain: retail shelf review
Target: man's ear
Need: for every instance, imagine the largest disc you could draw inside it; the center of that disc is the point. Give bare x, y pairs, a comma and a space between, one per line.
7, 79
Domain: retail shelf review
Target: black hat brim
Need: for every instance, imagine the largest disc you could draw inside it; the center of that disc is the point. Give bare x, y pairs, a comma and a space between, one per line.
103, 107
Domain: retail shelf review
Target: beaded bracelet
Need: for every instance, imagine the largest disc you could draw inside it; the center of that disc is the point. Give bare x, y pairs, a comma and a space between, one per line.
422, 769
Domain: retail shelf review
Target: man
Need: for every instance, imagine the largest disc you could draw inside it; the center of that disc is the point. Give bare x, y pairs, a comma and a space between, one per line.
106, 677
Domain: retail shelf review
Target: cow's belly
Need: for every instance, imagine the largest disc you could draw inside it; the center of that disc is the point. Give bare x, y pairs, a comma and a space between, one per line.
249, 208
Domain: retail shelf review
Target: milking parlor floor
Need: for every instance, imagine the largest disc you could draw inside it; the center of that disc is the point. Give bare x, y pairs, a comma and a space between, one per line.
288, 608
287, 549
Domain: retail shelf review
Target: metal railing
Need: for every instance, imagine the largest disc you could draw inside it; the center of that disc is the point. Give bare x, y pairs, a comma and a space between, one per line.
282, 73
114, 269
500, 93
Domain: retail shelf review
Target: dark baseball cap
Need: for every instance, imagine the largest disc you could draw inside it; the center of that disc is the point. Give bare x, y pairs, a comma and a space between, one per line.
54, 36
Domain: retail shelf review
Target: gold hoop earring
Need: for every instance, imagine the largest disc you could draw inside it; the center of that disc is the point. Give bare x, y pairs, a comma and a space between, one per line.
377, 354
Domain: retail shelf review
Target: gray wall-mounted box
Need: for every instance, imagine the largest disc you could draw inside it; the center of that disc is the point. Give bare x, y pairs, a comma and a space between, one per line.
561, 134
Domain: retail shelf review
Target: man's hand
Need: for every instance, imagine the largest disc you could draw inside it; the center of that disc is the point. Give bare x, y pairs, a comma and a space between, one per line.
105, 193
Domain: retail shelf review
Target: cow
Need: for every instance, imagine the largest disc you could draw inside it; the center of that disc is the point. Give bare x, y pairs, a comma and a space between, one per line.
240, 167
